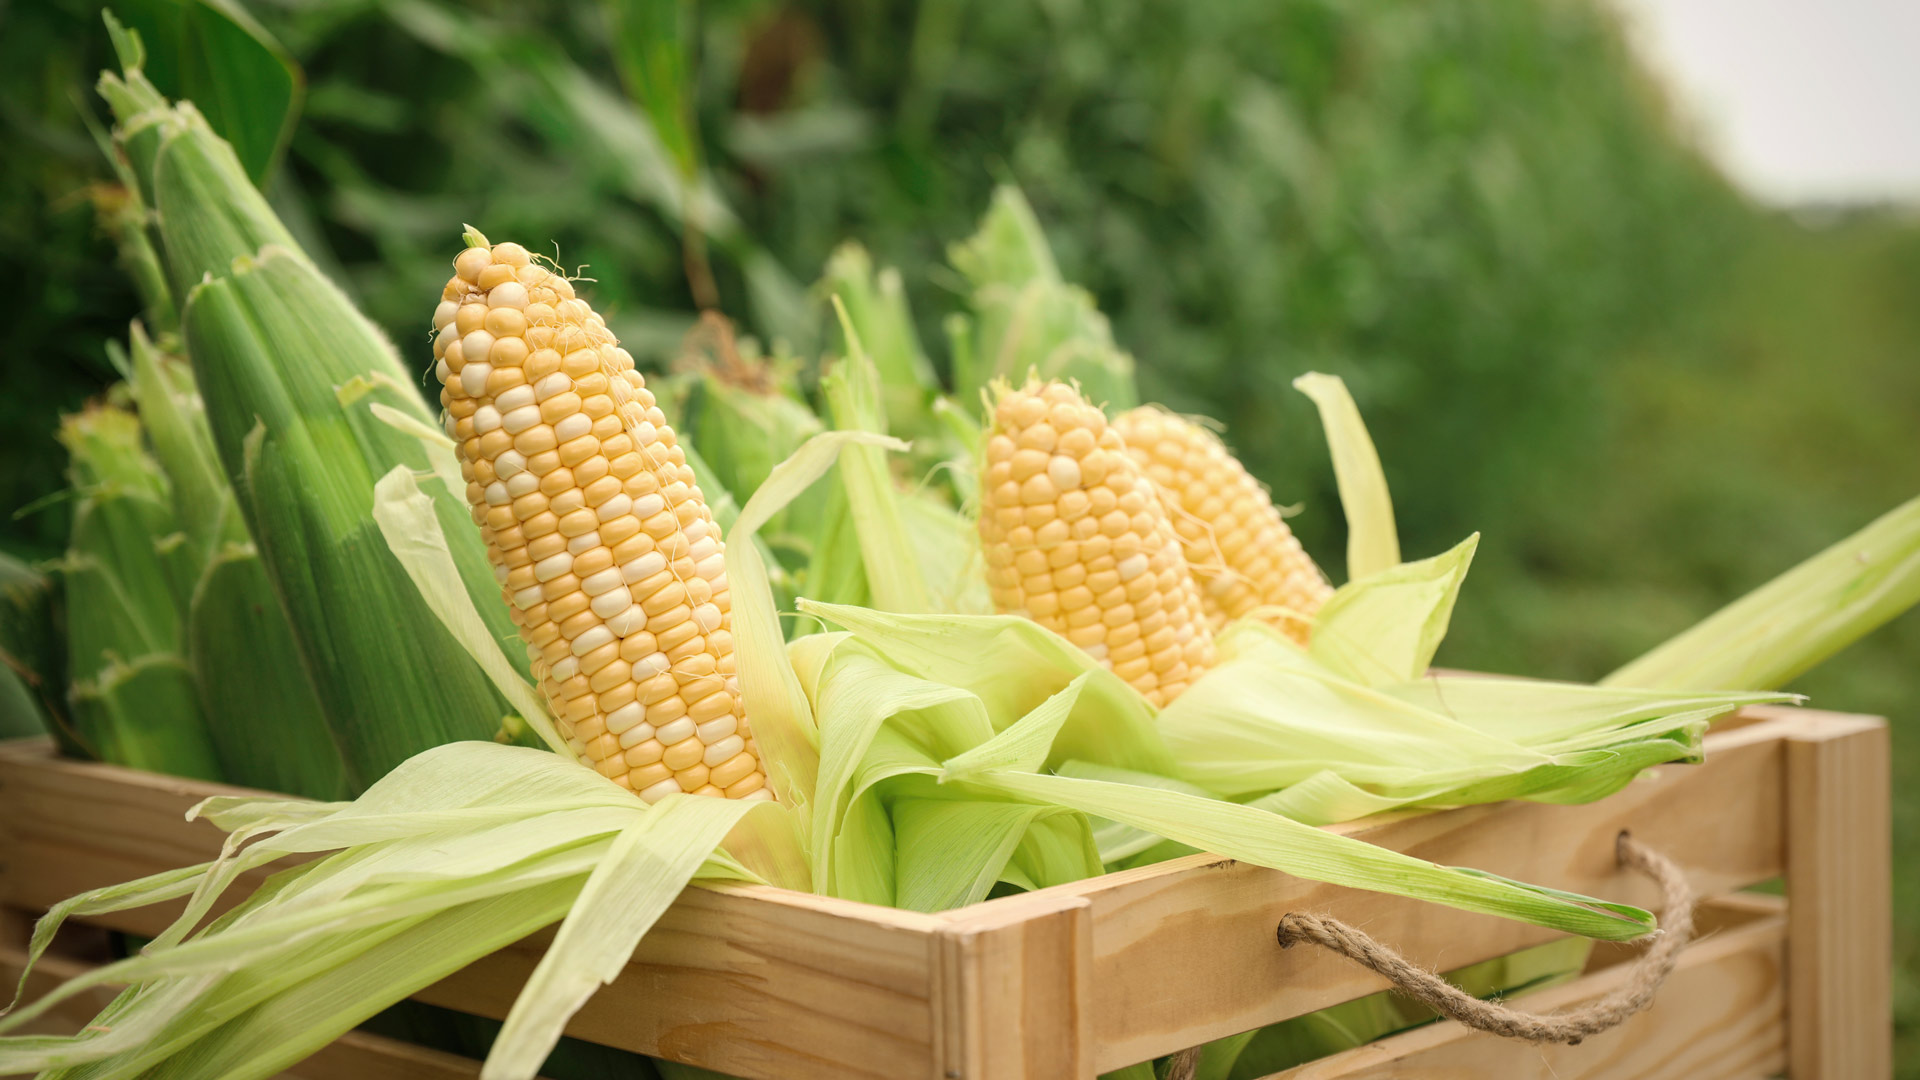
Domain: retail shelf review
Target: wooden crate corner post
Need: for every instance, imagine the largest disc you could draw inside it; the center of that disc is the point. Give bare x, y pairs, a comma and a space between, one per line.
1839, 899
1013, 991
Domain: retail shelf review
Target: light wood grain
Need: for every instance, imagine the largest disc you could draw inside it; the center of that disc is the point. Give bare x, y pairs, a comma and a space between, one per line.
1719, 1017
1839, 879
753, 982
1184, 951
1015, 994
69, 826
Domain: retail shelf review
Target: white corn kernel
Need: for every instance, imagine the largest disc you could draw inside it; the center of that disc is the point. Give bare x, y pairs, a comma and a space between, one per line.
661, 790
723, 751
644, 567
518, 420
626, 717
473, 377
609, 604
674, 731
593, 638
604, 581
510, 294
617, 506
629, 622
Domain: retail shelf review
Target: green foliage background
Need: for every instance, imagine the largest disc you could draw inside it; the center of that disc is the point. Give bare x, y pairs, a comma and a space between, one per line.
1565, 329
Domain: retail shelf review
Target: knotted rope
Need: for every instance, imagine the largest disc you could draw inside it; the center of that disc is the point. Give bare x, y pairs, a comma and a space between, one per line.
1570, 1027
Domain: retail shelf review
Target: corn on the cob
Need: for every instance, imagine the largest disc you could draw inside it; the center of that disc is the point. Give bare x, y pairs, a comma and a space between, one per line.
1242, 553
1076, 538
603, 543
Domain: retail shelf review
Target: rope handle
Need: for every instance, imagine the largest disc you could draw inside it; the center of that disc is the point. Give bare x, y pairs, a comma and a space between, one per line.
1636, 994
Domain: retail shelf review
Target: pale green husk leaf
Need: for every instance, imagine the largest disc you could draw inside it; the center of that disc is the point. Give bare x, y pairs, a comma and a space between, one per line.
1373, 543
1774, 633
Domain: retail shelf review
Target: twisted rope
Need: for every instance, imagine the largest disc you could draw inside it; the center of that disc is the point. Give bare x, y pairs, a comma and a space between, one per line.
1636, 994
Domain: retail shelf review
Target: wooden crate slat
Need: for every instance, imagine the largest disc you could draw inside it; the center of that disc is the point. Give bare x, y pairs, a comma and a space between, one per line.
71, 826
751, 981
1719, 1017
1184, 951
1839, 874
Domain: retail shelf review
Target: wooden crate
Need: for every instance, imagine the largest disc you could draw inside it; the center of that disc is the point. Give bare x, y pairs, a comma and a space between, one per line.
1071, 981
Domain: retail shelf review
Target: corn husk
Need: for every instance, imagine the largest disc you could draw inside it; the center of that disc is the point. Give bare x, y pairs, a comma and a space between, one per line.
289, 372
33, 677
1026, 318
1775, 633
239, 644
873, 301
132, 699
915, 552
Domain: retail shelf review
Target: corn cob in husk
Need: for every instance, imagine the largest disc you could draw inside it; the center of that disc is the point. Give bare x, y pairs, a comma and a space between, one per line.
599, 534
1245, 558
289, 372
1076, 537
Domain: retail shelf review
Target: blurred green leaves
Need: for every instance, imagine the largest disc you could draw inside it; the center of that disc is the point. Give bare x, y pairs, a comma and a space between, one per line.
650, 42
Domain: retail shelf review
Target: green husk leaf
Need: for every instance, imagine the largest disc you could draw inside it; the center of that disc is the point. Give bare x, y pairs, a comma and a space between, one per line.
1026, 319
145, 713
914, 715
170, 413
270, 344
619, 903
413, 534
1013, 665
852, 389
263, 712
874, 305
1269, 718
783, 722
1268, 839
1777, 632
33, 651
1385, 627
1373, 543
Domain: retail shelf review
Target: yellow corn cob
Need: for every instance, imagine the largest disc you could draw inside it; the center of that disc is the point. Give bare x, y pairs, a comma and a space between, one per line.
602, 542
1076, 539
1245, 557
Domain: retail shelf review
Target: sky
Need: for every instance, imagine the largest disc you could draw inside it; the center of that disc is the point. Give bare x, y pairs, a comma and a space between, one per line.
1800, 101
